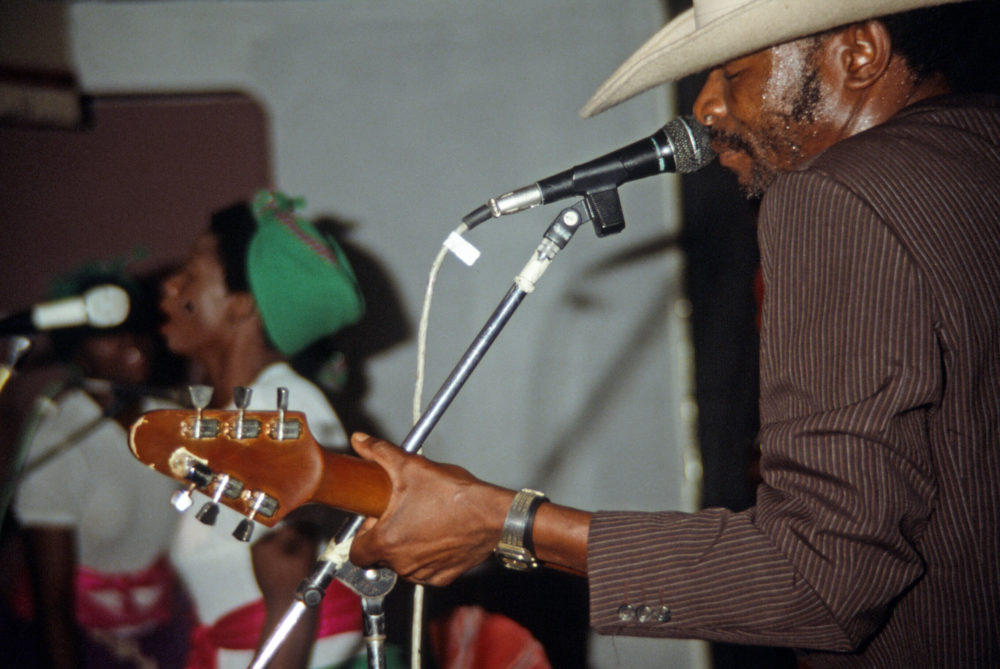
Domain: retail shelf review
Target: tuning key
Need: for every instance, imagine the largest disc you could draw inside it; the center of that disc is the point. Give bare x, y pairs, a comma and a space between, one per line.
284, 429
244, 531
209, 512
241, 397
244, 428
181, 498
262, 503
200, 397
198, 475
282, 408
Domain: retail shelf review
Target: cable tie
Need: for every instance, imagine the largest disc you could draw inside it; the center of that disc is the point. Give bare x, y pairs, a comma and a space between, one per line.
462, 249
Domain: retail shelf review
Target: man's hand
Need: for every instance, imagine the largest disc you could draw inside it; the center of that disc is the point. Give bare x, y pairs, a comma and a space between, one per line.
440, 521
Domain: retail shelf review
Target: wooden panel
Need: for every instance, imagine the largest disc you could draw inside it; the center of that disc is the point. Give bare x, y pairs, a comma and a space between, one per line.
144, 173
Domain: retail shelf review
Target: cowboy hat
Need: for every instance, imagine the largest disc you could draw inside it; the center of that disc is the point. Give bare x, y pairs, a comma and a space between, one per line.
716, 31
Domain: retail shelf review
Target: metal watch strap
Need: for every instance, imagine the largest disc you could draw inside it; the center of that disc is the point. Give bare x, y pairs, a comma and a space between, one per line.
515, 549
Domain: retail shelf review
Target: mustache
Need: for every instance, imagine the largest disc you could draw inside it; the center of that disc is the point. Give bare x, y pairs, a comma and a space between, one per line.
731, 141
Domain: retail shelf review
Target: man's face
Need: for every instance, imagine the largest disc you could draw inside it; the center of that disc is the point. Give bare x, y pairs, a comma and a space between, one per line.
195, 302
123, 357
766, 111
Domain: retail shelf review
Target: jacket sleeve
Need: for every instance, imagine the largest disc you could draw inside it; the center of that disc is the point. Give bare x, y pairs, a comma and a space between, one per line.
850, 367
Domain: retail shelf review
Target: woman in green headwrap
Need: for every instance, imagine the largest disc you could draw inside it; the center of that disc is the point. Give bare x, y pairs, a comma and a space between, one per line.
261, 285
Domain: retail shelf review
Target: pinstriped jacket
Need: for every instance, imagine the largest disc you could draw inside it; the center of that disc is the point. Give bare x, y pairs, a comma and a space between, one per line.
875, 539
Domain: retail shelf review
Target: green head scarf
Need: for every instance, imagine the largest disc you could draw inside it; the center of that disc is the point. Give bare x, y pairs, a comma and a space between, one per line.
300, 278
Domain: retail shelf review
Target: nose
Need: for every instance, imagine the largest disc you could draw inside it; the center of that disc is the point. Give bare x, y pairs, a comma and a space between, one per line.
168, 287
710, 104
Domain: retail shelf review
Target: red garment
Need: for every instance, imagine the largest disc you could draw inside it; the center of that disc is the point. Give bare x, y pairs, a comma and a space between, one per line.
93, 613
340, 611
471, 638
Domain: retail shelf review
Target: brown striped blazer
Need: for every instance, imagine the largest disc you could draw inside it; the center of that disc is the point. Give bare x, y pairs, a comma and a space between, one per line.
875, 539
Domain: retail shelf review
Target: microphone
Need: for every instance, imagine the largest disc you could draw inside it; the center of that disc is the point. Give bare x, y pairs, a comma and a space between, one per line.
101, 307
682, 146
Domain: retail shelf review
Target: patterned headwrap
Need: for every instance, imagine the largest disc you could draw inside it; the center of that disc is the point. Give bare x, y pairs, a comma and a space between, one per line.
300, 278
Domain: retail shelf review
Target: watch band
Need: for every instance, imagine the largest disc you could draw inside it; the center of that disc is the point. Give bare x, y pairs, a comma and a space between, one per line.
515, 549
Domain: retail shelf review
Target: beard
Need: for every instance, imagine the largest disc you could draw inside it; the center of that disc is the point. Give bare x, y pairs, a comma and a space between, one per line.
758, 146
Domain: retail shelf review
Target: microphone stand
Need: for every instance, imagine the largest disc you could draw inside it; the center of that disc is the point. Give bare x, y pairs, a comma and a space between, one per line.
374, 584
17, 347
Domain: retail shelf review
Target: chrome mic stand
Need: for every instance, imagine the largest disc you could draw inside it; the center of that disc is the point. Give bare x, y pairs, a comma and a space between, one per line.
17, 347
374, 584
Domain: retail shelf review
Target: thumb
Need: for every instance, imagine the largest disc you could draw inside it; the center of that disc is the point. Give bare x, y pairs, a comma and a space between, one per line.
362, 443
375, 449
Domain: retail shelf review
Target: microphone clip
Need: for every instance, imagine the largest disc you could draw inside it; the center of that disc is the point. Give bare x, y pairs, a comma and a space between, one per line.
606, 211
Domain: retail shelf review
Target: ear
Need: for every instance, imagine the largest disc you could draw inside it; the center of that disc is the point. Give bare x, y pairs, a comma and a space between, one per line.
866, 55
241, 306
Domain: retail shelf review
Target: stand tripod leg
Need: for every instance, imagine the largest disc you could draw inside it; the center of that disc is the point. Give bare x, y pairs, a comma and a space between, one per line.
375, 630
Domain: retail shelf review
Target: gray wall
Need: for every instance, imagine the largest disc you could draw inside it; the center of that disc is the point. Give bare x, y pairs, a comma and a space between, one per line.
404, 116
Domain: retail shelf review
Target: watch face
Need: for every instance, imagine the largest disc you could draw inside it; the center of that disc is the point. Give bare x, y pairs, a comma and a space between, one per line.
519, 563
515, 557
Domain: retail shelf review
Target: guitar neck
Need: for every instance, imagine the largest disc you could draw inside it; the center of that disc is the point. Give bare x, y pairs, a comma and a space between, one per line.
352, 484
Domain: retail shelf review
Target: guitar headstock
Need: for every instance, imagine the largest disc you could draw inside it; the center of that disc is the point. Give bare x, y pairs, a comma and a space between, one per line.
262, 464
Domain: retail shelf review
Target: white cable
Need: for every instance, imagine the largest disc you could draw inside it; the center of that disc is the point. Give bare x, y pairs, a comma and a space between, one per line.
460, 249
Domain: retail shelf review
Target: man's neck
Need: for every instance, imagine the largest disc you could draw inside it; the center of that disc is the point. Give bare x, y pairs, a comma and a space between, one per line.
897, 90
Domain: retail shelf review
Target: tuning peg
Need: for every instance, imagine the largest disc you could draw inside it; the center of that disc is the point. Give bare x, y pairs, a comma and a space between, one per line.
199, 474
241, 397
244, 531
181, 498
244, 428
282, 408
283, 429
209, 512
200, 397
261, 502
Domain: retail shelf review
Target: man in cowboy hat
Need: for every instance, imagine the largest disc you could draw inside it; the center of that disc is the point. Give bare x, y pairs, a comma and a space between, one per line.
875, 538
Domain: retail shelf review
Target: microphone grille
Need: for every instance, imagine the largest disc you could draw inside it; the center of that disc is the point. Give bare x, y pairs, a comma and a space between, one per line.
691, 142
107, 306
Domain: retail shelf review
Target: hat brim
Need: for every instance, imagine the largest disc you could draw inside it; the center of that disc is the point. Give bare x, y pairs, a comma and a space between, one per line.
679, 48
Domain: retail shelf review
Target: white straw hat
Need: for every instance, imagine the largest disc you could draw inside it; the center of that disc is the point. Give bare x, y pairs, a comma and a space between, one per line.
716, 31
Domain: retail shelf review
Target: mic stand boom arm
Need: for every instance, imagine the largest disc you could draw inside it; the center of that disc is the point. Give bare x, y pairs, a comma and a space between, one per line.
374, 584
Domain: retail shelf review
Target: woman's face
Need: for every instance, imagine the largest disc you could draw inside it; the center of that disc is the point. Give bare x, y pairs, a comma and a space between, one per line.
195, 303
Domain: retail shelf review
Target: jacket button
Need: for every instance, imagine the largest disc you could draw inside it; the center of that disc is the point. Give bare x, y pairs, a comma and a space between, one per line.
626, 613
661, 614
644, 614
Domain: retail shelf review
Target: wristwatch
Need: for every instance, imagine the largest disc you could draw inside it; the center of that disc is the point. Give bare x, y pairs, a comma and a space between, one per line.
515, 549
